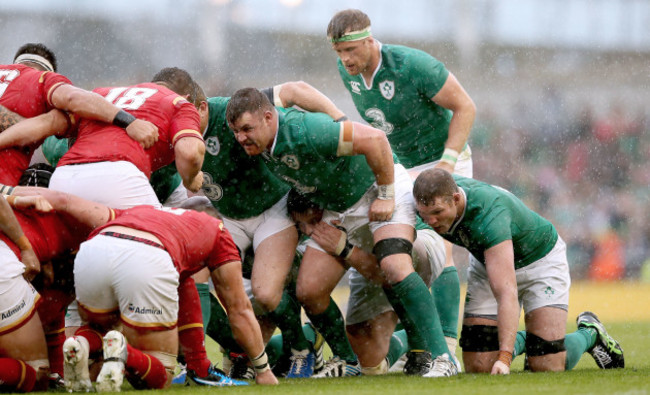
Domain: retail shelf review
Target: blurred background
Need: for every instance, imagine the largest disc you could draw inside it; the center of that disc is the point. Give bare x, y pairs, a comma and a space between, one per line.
562, 87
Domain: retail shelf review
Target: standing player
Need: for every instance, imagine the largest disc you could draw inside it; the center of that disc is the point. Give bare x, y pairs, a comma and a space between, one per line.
517, 258
347, 169
410, 95
31, 87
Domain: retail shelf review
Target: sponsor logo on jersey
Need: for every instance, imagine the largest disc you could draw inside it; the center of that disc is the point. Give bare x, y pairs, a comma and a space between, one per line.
356, 87
387, 89
211, 189
304, 189
12, 311
144, 310
212, 145
290, 161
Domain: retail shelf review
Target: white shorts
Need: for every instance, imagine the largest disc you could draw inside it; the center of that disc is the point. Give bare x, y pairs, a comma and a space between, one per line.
256, 229
355, 219
138, 279
116, 184
368, 300
18, 299
543, 283
464, 165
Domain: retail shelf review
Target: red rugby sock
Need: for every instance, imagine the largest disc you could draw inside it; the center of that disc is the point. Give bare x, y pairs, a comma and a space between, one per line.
16, 376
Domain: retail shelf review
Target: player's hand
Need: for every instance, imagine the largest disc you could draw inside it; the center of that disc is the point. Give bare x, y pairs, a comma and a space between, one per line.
381, 210
32, 264
144, 132
328, 237
444, 166
36, 201
500, 368
196, 183
266, 378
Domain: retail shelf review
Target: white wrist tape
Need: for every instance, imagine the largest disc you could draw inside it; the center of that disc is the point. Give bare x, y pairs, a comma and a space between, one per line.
386, 192
449, 156
261, 363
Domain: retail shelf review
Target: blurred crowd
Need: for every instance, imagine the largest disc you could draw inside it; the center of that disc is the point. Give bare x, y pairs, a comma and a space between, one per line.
587, 171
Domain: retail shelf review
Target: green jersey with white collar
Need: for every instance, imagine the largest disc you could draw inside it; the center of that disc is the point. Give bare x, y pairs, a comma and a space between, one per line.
493, 215
398, 101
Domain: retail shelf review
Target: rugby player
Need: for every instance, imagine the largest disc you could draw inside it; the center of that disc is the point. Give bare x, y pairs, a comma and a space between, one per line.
517, 259
30, 87
348, 169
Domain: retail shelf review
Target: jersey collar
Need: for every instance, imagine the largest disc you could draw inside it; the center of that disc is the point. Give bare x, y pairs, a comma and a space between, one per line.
277, 128
372, 80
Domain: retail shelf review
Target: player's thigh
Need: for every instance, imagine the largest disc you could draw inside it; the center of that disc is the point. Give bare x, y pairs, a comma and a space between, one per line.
21, 334
317, 277
429, 255
273, 260
152, 340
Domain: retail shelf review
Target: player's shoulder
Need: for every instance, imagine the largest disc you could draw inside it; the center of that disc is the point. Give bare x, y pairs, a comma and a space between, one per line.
403, 57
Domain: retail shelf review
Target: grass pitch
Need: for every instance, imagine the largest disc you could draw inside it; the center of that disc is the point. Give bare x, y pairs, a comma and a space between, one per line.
621, 306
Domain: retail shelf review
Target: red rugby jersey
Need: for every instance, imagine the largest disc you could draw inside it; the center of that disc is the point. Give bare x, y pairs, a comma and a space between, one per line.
174, 116
194, 240
27, 92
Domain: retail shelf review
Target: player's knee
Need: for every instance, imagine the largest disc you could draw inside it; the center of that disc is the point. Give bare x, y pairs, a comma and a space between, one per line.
267, 299
392, 246
310, 296
537, 347
479, 338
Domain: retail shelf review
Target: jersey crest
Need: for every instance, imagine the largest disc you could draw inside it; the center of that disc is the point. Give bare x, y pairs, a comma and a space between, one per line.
211, 189
290, 161
212, 145
387, 89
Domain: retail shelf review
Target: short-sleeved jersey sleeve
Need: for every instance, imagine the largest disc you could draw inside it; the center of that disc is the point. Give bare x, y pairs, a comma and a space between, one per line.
224, 249
432, 74
186, 122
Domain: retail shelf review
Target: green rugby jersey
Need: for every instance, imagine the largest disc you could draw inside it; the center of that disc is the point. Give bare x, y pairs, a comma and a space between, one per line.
493, 215
304, 155
238, 185
398, 101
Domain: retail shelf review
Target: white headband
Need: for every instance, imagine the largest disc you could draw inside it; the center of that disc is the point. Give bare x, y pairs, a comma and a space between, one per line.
30, 57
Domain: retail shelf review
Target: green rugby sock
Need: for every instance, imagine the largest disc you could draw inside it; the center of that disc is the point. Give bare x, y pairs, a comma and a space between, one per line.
446, 294
397, 347
520, 344
219, 327
417, 311
287, 317
204, 296
576, 344
331, 325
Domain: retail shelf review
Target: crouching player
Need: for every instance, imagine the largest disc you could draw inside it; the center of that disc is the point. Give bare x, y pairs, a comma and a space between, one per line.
129, 271
370, 319
518, 259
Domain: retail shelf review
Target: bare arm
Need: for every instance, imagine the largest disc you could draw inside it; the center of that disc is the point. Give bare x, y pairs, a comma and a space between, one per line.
9, 225
452, 96
189, 152
330, 239
373, 144
8, 118
305, 96
33, 130
227, 280
499, 262
86, 212
90, 105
